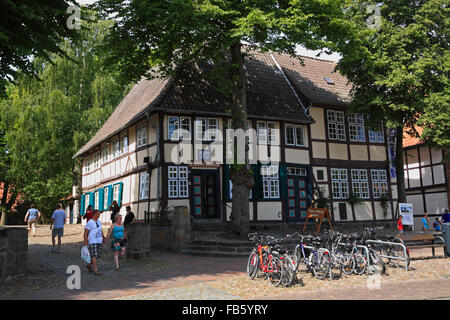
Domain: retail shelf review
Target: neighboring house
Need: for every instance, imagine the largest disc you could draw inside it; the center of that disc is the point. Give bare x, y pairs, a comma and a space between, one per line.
71, 205
427, 177
165, 145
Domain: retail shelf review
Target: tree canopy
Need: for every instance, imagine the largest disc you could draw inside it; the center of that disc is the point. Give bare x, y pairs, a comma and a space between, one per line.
30, 29
46, 121
400, 71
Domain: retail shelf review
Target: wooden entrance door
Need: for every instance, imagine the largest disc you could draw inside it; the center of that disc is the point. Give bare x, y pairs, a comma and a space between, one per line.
205, 194
297, 200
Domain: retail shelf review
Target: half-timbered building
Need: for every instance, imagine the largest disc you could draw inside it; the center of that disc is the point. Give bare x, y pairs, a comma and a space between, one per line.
427, 176
166, 145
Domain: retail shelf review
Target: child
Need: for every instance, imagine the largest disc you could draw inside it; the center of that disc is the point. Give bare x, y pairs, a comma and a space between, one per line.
437, 225
400, 225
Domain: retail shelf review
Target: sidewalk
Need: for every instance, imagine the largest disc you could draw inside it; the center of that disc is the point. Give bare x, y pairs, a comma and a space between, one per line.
407, 290
169, 276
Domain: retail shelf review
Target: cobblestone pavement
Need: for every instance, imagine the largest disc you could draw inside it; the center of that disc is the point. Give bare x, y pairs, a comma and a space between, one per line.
168, 276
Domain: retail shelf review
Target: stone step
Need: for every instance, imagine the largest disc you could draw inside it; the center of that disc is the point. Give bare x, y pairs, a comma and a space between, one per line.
221, 249
220, 254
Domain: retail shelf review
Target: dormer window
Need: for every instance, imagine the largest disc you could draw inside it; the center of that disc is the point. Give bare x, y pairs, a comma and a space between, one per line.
328, 80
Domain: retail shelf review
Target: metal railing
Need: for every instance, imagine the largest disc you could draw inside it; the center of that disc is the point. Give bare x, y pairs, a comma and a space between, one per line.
158, 218
387, 243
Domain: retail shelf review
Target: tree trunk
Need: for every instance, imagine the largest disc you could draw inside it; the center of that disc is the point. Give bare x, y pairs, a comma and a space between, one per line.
3, 221
399, 168
240, 174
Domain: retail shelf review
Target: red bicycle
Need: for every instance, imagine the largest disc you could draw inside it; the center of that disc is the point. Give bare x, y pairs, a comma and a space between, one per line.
262, 260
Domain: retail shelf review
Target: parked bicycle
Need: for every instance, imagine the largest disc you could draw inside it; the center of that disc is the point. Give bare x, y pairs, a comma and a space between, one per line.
262, 259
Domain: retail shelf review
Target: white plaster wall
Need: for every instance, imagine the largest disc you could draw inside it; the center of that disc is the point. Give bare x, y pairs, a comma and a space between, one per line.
269, 210
417, 203
436, 202
363, 211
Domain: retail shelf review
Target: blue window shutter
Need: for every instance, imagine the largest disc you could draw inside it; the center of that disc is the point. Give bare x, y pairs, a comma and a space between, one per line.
101, 195
110, 195
120, 194
82, 205
91, 199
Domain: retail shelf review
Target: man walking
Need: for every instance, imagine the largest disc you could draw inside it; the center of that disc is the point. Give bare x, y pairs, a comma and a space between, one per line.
32, 216
57, 226
94, 238
115, 209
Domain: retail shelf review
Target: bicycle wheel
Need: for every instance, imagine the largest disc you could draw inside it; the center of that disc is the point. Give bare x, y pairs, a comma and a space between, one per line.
348, 264
336, 267
321, 265
275, 272
360, 264
253, 265
376, 265
289, 272
397, 252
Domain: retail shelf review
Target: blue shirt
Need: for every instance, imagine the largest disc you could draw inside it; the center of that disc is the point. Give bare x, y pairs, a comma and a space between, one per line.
60, 217
33, 214
446, 217
425, 223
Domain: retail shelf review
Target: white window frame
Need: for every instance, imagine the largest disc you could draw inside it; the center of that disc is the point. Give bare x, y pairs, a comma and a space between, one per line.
144, 185
267, 132
271, 182
339, 183
379, 182
360, 183
178, 182
116, 192
336, 125
141, 135
87, 164
376, 136
96, 163
204, 125
123, 145
179, 126
295, 171
248, 133
356, 129
105, 197
86, 201
97, 200
105, 153
115, 148
295, 135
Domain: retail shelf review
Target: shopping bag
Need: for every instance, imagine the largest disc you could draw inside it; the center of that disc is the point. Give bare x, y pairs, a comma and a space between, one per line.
85, 255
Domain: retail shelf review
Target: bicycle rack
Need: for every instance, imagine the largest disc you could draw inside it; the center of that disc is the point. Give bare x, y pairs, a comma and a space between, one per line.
365, 249
401, 244
367, 254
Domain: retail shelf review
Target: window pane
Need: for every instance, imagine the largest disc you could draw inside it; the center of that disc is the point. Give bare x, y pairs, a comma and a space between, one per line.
185, 128
173, 128
183, 172
173, 172
142, 135
183, 188
299, 136
200, 128
212, 129
290, 135
173, 188
262, 132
